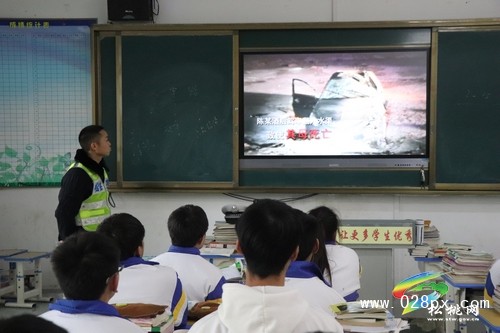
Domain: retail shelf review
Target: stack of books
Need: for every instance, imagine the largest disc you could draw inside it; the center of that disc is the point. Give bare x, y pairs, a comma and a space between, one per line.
420, 250
150, 317
467, 266
224, 233
356, 318
211, 243
442, 249
374, 317
162, 323
431, 234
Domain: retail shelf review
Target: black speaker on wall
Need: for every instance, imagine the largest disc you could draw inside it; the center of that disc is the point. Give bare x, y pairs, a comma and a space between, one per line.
130, 10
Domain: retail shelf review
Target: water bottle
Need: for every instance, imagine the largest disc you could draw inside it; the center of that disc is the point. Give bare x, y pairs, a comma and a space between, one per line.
419, 231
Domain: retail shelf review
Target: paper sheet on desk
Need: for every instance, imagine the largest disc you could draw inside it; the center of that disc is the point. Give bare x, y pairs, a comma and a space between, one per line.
216, 251
231, 272
399, 325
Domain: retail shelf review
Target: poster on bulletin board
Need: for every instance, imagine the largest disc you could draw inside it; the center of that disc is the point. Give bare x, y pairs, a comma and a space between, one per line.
45, 97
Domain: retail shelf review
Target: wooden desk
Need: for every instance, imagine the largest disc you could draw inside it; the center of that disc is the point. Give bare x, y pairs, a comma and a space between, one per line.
16, 263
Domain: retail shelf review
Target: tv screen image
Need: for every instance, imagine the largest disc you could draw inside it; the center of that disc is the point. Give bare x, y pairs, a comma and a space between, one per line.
329, 109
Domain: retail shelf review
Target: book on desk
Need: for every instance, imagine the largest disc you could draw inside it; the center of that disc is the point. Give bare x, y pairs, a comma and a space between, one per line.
358, 318
467, 266
150, 317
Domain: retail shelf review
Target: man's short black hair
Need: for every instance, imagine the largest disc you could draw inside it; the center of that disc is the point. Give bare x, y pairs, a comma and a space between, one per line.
83, 263
29, 323
186, 225
268, 234
88, 135
126, 230
328, 220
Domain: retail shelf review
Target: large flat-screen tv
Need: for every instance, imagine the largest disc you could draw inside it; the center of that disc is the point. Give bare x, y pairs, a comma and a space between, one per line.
334, 109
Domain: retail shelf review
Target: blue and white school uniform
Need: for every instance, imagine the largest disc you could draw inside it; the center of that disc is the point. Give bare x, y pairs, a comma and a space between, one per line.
273, 309
202, 281
306, 277
88, 316
148, 282
344, 266
492, 280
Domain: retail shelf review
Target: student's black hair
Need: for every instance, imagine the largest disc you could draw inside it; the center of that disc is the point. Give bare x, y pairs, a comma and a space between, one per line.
186, 225
83, 263
126, 230
29, 323
329, 220
321, 257
309, 233
268, 235
88, 135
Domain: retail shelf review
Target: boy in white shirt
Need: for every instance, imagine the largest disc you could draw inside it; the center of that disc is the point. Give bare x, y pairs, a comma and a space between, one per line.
202, 281
303, 274
268, 237
86, 266
143, 281
344, 261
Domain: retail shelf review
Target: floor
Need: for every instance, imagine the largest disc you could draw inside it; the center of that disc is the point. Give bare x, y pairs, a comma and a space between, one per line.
39, 308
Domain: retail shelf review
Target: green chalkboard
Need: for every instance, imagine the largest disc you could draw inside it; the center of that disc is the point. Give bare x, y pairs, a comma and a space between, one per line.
107, 94
303, 178
177, 118
167, 99
468, 108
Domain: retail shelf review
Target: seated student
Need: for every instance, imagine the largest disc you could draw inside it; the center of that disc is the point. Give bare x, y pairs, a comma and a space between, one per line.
268, 237
492, 280
344, 261
143, 281
87, 267
303, 274
202, 281
29, 323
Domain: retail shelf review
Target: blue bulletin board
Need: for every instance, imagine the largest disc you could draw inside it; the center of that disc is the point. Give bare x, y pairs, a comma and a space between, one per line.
45, 97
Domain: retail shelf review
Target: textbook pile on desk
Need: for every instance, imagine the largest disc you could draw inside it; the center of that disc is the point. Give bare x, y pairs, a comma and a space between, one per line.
224, 233
442, 249
363, 320
436, 251
467, 266
431, 234
150, 317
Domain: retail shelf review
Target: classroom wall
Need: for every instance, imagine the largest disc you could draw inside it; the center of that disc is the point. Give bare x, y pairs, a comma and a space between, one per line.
27, 214
259, 11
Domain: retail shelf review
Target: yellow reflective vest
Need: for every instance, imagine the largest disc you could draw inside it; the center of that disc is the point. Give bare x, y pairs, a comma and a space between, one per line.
95, 208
